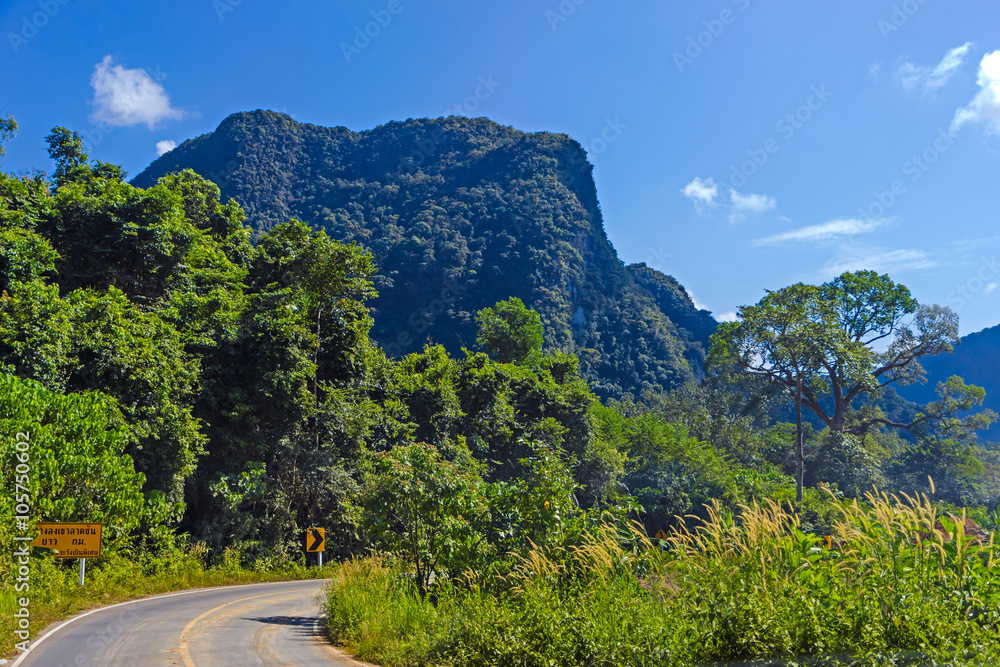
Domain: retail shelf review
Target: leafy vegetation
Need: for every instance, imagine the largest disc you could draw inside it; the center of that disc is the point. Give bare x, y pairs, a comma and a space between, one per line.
458, 215
977, 360
887, 589
209, 391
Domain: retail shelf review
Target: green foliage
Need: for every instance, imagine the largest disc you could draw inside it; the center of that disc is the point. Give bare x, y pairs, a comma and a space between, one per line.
818, 345
667, 471
977, 361
510, 333
139, 359
823, 339
952, 465
73, 467
459, 214
8, 130
538, 508
390, 606
93, 341
425, 509
67, 151
753, 588
847, 462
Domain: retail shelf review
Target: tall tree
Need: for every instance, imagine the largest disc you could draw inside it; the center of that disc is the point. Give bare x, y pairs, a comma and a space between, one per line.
828, 345
67, 151
785, 339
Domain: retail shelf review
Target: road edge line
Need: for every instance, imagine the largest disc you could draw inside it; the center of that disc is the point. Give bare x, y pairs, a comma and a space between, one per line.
38, 640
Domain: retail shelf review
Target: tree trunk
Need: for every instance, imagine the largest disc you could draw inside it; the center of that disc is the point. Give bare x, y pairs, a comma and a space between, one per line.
800, 464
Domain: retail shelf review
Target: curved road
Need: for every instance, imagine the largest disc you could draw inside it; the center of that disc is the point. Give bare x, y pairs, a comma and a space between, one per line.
231, 626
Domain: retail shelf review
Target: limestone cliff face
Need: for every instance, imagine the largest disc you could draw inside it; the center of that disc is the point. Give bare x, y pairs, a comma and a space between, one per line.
460, 213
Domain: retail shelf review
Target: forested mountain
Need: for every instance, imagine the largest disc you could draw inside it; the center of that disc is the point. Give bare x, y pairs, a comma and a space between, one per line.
460, 213
245, 399
977, 360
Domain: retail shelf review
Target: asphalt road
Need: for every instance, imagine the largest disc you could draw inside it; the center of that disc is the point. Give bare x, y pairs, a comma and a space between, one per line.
231, 626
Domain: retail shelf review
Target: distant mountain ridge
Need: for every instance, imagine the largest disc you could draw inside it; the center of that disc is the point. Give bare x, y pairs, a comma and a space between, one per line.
977, 361
460, 213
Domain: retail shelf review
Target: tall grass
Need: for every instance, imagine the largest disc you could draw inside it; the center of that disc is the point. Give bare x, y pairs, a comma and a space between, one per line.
890, 590
384, 618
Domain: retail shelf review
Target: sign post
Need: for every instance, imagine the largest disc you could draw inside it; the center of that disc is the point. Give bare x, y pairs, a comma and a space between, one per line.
316, 542
71, 540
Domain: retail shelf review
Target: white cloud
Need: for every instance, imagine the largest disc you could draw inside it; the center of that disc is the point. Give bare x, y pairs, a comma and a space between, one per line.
930, 79
165, 146
697, 304
967, 245
824, 231
124, 97
985, 106
882, 261
989, 288
701, 192
728, 316
753, 203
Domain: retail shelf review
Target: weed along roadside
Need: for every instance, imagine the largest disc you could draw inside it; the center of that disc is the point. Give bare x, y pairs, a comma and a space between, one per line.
744, 587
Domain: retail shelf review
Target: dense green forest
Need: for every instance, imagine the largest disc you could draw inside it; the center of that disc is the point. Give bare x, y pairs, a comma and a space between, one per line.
193, 379
255, 401
458, 214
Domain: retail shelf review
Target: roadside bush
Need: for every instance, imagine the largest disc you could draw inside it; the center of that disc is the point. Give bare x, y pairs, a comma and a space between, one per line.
888, 589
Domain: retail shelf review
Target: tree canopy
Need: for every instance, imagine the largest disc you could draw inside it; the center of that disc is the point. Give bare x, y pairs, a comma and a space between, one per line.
846, 338
510, 332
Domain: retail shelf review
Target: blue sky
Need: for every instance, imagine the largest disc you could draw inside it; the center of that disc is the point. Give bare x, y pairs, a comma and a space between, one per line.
739, 145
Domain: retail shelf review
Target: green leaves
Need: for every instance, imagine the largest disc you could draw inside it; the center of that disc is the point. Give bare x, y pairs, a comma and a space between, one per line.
8, 130
76, 468
510, 332
828, 345
426, 509
66, 149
